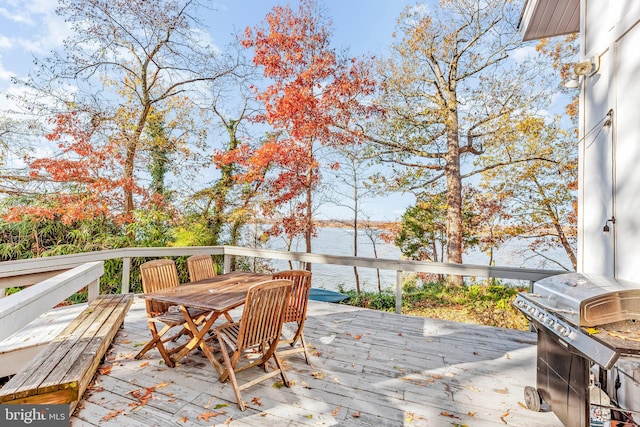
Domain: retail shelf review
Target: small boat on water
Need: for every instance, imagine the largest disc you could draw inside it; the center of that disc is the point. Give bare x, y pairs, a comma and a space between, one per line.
325, 295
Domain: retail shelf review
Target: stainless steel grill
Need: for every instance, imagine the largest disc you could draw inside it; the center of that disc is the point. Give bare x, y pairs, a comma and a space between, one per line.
586, 325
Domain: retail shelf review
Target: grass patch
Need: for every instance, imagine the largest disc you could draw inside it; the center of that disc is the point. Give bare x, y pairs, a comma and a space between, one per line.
475, 303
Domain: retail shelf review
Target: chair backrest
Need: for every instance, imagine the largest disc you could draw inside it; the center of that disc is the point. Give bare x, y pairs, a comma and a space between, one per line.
299, 298
157, 275
263, 313
200, 267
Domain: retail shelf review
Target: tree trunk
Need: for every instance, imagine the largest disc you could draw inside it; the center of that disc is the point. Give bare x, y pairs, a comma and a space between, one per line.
454, 197
309, 211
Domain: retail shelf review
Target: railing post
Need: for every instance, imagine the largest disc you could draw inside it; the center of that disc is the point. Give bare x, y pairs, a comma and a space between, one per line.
93, 290
399, 292
226, 263
126, 274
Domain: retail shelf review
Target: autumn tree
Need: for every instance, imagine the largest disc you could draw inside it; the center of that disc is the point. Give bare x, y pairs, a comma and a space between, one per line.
350, 167
541, 193
311, 89
228, 201
125, 63
448, 93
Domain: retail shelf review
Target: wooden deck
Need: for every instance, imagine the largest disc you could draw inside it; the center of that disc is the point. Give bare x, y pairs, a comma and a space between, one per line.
370, 369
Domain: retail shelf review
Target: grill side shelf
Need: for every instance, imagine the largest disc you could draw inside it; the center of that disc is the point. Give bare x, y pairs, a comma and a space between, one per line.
570, 335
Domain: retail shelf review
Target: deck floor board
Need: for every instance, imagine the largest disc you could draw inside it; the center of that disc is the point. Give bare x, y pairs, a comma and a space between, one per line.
370, 368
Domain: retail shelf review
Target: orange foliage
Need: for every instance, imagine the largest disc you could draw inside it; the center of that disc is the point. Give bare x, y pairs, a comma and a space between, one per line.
312, 98
90, 172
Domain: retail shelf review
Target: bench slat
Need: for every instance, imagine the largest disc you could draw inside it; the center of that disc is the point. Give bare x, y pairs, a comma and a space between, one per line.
67, 357
60, 373
89, 360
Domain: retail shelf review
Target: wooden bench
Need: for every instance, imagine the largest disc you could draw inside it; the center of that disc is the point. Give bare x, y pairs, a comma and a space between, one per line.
63, 370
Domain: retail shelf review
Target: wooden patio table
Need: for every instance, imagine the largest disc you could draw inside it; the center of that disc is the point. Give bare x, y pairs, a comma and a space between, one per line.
217, 295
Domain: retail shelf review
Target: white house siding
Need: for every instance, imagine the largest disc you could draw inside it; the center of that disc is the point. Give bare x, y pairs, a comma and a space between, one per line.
610, 155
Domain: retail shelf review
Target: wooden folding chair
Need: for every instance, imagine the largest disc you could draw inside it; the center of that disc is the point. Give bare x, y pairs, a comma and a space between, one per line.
157, 275
200, 267
297, 310
258, 330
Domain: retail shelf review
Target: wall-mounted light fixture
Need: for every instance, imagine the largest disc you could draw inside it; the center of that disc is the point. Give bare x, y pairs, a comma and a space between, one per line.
581, 70
573, 82
606, 228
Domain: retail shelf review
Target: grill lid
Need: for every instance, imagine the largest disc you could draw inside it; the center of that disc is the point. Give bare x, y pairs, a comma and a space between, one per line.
588, 299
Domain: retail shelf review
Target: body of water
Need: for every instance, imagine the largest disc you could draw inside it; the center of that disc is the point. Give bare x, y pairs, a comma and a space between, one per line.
339, 241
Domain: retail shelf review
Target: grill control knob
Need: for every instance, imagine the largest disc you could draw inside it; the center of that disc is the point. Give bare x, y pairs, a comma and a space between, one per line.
562, 330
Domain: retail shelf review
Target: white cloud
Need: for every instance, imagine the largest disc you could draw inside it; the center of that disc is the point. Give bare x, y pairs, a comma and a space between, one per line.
5, 42
523, 54
5, 75
16, 16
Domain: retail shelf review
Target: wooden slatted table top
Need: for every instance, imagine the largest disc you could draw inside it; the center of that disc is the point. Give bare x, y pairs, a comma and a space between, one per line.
219, 294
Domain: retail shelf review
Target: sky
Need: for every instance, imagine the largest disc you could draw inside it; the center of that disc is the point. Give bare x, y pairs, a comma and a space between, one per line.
30, 29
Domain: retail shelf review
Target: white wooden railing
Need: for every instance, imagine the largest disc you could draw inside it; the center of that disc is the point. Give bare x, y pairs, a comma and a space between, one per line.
55, 278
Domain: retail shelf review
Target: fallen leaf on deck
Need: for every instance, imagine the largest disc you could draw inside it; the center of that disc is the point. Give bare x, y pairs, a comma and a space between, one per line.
502, 418
104, 370
472, 388
471, 414
357, 337
508, 356
356, 414
318, 375
143, 398
144, 364
336, 380
409, 417
501, 390
112, 414
205, 416
522, 405
125, 342
446, 414
184, 419
305, 385
161, 385
336, 411
256, 401
221, 405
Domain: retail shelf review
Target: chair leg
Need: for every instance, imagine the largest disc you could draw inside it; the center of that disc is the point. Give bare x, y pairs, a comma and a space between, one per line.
156, 341
231, 375
285, 380
304, 348
300, 349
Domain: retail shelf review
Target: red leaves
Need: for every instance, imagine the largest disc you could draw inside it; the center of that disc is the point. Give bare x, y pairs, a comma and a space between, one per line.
143, 395
89, 173
311, 91
206, 415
